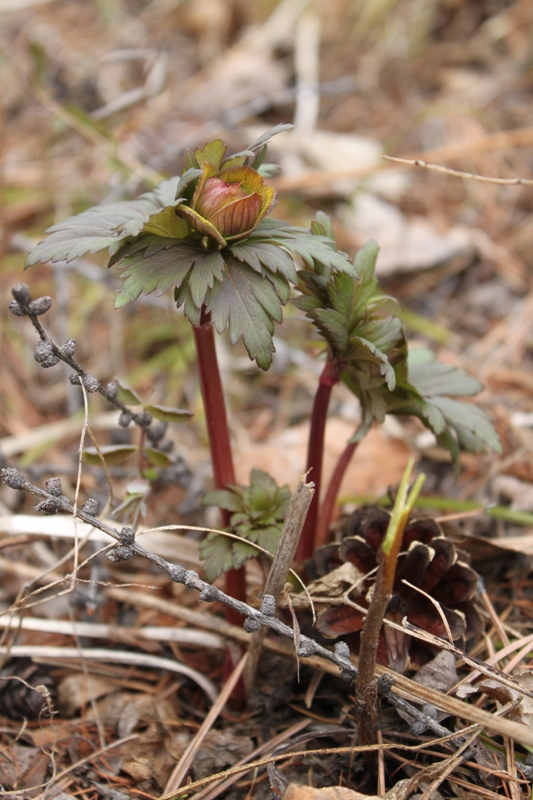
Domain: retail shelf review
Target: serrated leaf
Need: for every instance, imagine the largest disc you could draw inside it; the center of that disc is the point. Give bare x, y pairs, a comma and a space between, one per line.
207, 268
268, 538
183, 298
334, 324
212, 152
310, 247
216, 552
425, 394
159, 266
242, 551
470, 421
157, 458
266, 137
246, 304
432, 378
102, 227
264, 254
127, 395
113, 454
189, 176
224, 498
168, 413
322, 225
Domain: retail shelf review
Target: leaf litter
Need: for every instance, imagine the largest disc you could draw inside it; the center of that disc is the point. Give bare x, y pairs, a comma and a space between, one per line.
130, 740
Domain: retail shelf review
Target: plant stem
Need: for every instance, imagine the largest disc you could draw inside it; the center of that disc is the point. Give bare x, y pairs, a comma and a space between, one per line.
218, 434
366, 686
315, 454
328, 504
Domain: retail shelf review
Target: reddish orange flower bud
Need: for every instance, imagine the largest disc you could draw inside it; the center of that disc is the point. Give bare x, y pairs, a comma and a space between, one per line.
228, 204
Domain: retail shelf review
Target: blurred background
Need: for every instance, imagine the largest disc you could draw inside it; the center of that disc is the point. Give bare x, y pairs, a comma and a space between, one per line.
100, 99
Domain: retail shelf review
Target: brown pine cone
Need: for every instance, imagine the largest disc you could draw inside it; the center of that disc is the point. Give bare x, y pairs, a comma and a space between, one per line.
27, 690
428, 560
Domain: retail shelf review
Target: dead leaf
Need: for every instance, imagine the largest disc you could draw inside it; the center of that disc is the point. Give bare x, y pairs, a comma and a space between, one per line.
297, 792
405, 245
77, 691
220, 749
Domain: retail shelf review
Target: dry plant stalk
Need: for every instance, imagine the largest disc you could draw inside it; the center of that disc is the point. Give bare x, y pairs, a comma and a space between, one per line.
280, 568
366, 685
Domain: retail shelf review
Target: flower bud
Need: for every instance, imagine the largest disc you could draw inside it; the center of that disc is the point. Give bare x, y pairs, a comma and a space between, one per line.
228, 204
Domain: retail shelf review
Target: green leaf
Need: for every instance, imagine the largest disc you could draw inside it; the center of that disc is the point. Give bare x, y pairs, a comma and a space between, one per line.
183, 298
248, 305
425, 393
216, 552
189, 176
102, 227
153, 264
264, 254
169, 414
127, 395
243, 552
266, 137
167, 224
258, 511
207, 268
322, 225
268, 538
433, 378
299, 241
157, 458
224, 498
473, 427
113, 454
213, 152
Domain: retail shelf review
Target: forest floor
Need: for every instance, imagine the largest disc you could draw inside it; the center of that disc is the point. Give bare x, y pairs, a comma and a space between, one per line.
100, 100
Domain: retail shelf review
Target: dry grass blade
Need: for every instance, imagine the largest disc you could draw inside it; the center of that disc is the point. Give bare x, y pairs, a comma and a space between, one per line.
73, 768
43, 652
210, 793
183, 765
94, 630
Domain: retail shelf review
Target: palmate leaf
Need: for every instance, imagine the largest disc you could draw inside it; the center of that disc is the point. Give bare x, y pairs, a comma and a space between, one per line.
351, 316
258, 511
102, 227
312, 248
158, 264
216, 552
248, 305
259, 255
430, 393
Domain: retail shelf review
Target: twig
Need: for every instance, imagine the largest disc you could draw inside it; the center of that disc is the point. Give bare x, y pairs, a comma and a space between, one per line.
48, 354
283, 559
366, 687
417, 162
318, 655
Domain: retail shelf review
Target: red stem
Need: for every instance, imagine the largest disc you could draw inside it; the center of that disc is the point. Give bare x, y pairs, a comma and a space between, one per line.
326, 510
315, 453
219, 439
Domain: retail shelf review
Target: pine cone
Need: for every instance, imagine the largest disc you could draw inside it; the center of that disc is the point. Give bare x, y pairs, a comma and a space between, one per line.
428, 560
27, 690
